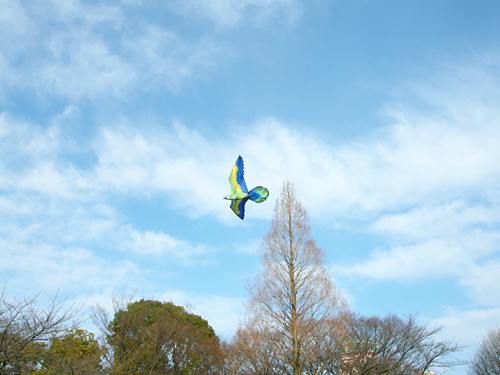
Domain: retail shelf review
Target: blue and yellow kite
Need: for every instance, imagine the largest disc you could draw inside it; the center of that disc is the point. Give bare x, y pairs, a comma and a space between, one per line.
239, 192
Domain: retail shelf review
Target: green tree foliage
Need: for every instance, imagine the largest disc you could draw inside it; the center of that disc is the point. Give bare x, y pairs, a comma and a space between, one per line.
25, 361
152, 337
77, 352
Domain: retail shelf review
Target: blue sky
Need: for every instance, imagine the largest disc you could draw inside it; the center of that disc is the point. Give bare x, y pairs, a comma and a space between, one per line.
121, 120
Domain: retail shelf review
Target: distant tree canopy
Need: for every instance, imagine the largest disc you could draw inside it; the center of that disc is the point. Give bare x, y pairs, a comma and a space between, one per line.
394, 345
77, 352
161, 338
143, 337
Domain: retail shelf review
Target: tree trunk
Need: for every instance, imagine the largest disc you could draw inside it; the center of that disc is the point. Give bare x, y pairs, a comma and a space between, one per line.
296, 311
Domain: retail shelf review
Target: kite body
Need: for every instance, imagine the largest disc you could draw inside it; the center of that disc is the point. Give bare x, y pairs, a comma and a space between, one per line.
239, 192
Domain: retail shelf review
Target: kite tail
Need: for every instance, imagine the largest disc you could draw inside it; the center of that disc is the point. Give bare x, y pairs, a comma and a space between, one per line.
258, 194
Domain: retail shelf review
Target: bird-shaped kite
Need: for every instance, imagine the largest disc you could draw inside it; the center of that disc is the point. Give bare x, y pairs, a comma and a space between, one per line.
239, 192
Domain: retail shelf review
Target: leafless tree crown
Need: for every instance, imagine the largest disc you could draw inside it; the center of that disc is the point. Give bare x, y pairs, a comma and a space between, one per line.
486, 361
23, 324
397, 346
295, 309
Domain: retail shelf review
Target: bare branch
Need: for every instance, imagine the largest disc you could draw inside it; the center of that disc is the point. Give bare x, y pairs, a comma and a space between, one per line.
297, 314
23, 323
486, 361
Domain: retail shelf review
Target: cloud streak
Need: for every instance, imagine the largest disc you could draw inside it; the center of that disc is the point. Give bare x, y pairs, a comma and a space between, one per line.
432, 194
80, 51
426, 183
230, 13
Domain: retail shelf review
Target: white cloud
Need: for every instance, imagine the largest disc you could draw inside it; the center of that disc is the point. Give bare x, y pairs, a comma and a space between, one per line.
75, 50
250, 248
433, 241
158, 55
429, 183
15, 30
228, 13
434, 258
447, 220
405, 165
67, 11
30, 266
179, 162
439, 166
89, 70
468, 326
159, 243
57, 227
481, 282
193, 169
412, 163
47, 245
222, 313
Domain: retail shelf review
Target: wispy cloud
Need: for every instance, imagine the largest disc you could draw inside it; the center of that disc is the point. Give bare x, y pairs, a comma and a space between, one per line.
431, 184
427, 182
223, 313
228, 13
160, 55
158, 243
481, 280
251, 248
57, 227
445, 240
468, 326
32, 266
447, 220
74, 50
415, 161
179, 162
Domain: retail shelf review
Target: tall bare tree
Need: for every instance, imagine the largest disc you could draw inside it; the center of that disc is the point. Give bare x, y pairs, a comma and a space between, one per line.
486, 361
295, 309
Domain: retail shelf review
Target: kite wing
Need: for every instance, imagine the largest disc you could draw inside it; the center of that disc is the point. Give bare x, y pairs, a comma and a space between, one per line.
239, 192
236, 179
238, 207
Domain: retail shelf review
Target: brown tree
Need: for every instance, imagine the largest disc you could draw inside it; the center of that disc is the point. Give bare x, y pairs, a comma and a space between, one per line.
393, 345
25, 327
486, 361
296, 312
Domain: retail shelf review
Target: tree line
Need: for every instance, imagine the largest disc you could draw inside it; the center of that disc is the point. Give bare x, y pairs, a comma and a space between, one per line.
298, 323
